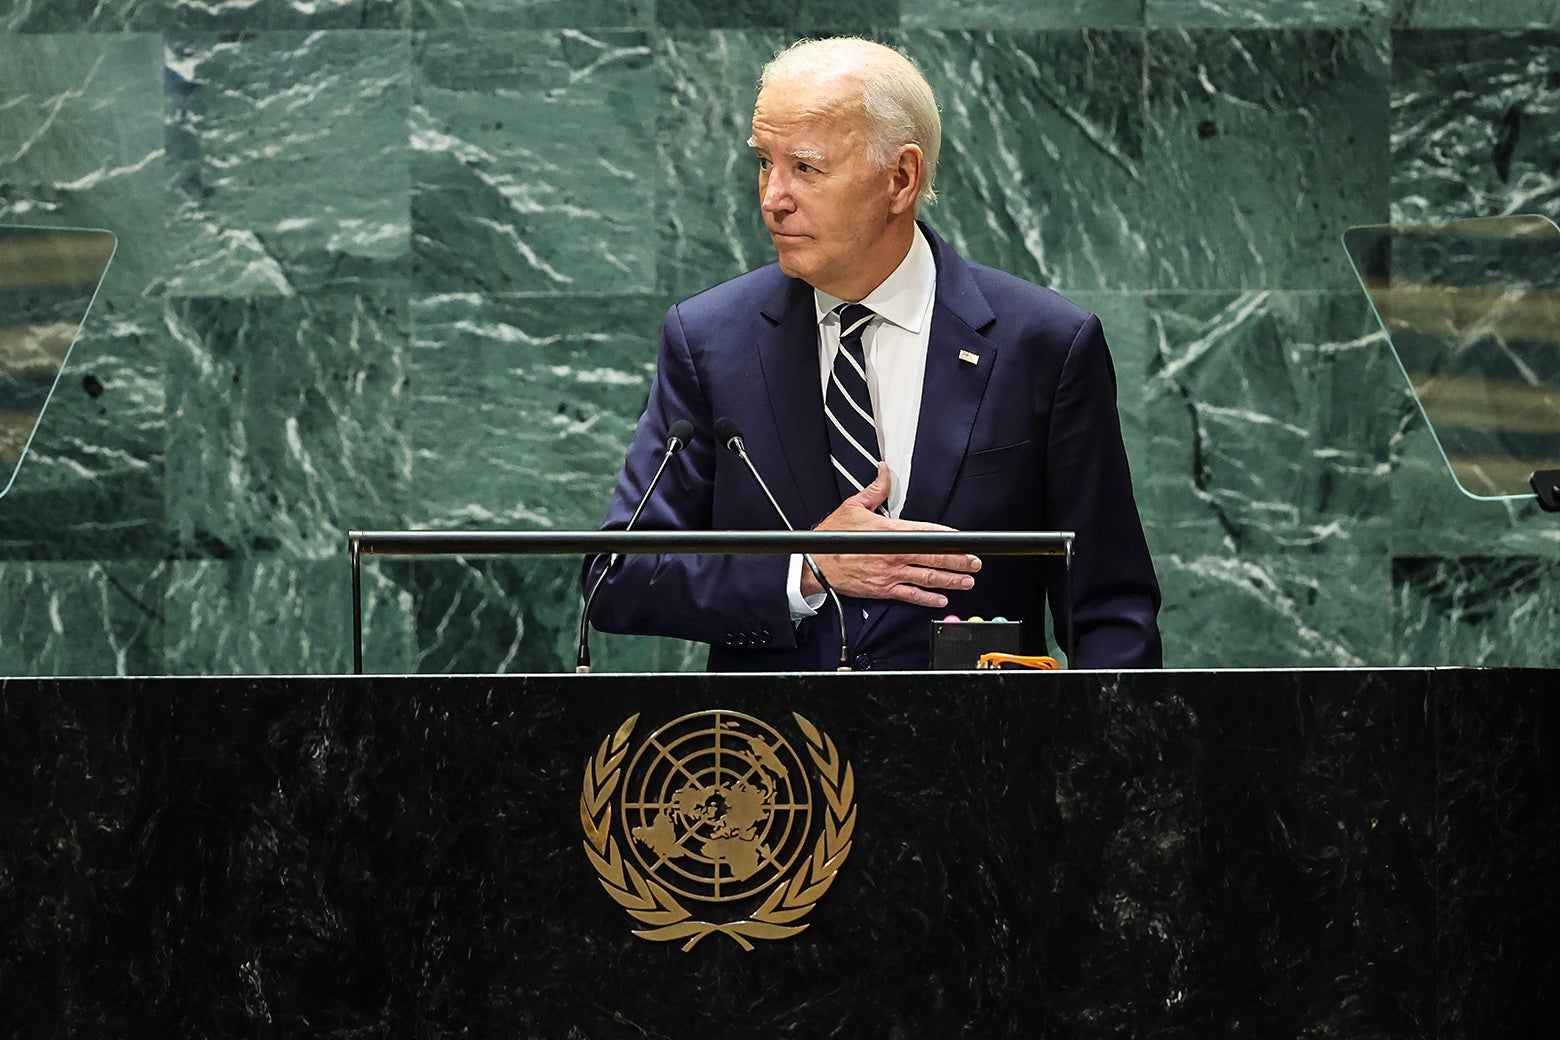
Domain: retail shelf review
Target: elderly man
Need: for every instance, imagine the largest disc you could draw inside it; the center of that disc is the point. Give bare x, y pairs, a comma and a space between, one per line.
881, 382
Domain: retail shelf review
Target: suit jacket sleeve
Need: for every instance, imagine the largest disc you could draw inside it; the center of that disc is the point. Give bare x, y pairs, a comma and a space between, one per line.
1088, 489
721, 600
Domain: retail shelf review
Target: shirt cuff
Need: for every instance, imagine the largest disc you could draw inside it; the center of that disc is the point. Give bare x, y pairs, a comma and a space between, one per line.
802, 607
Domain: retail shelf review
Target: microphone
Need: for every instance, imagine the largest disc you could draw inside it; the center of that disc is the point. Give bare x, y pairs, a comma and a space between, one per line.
729, 434
677, 436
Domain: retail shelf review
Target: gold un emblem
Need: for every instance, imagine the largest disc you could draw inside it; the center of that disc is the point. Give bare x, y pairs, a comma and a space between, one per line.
716, 812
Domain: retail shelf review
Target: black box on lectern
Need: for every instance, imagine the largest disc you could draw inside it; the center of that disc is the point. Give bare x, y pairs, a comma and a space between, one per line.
957, 645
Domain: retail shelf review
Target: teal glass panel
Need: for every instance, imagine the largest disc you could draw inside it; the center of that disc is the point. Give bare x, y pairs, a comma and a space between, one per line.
48, 280
1472, 310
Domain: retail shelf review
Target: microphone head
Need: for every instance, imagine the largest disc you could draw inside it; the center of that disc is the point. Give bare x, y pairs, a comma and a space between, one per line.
677, 435
728, 432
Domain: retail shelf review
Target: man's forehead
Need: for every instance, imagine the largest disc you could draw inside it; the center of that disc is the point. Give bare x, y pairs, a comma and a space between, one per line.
792, 104
813, 131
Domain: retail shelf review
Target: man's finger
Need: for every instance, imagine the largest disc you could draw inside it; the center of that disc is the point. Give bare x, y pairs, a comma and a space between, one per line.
919, 596
935, 578
963, 563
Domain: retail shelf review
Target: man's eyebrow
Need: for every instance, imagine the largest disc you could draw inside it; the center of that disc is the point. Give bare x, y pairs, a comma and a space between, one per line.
810, 156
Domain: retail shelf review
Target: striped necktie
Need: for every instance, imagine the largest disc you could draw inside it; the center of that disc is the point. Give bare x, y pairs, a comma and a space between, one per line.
853, 442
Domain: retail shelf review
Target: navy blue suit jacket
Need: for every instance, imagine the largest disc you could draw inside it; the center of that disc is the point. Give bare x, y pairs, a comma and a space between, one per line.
1027, 438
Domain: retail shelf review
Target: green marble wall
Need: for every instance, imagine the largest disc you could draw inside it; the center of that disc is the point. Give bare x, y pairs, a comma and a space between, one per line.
393, 263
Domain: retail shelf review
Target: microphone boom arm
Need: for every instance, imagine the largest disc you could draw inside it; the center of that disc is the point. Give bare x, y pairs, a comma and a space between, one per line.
732, 438
676, 439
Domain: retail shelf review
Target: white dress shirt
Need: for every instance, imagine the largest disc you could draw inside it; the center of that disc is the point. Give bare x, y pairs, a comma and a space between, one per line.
895, 346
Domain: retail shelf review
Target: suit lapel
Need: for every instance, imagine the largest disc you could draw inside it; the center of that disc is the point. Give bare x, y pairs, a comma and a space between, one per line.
959, 363
788, 357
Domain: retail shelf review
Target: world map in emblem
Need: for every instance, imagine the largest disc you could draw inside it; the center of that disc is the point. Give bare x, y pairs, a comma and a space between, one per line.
717, 806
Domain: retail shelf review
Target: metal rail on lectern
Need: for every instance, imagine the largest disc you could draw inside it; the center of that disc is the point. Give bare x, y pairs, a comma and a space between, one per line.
697, 543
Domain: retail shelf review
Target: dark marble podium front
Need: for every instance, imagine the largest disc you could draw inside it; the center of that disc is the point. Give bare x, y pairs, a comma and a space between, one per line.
1176, 854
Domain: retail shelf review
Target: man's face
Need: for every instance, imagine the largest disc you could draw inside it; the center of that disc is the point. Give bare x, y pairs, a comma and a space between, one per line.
827, 207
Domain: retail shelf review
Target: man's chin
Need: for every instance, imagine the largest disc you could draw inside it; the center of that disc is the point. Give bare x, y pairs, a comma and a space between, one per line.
791, 258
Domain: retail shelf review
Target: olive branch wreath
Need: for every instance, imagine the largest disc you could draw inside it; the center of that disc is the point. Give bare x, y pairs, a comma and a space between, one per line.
652, 904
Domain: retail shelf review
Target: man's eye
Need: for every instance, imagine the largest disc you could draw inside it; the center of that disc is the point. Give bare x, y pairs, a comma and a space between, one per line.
804, 168
763, 164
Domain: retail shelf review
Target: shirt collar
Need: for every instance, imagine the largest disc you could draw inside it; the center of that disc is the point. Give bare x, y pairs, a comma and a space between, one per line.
905, 297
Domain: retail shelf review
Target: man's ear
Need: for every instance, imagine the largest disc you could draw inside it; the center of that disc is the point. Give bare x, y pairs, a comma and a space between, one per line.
905, 185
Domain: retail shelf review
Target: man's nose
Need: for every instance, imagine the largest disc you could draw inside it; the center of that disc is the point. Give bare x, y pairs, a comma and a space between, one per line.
775, 196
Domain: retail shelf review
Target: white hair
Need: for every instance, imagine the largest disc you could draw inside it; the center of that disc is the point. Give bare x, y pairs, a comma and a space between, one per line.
898, 102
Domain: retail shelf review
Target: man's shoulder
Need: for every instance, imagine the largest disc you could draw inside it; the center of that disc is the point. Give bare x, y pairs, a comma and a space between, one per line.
1010, 298
1001, 287
1023, 309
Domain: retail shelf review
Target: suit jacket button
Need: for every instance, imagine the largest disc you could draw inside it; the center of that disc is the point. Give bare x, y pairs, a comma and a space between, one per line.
863, 663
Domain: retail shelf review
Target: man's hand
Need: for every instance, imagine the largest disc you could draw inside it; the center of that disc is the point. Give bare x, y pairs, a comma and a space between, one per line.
913, 578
